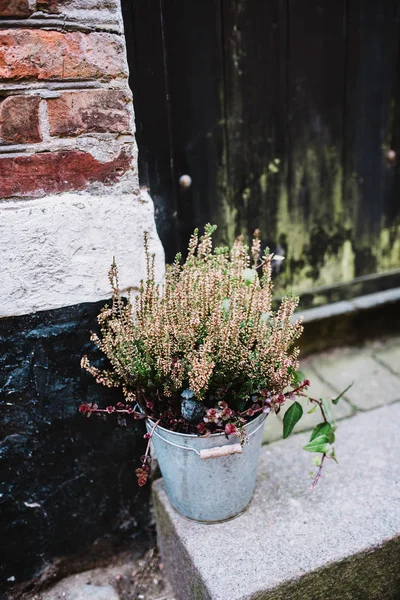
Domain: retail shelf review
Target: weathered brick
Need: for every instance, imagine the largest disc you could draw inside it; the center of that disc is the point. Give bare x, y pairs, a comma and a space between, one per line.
38, 55
19, 119
81, 112
54, 172
14, 8
61, 6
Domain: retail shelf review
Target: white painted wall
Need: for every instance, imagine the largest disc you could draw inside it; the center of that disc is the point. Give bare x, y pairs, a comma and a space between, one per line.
56, 251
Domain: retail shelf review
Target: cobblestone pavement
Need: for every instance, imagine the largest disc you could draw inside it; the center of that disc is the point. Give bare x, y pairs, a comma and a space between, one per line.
126, 579
373, 369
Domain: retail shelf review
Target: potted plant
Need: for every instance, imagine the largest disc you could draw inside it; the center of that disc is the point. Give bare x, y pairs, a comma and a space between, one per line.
204, 359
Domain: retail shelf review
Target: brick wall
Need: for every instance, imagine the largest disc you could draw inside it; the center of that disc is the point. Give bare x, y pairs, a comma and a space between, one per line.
69, 202
67, 135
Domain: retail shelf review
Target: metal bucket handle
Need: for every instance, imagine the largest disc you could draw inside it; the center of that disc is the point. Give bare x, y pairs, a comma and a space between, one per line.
215, 452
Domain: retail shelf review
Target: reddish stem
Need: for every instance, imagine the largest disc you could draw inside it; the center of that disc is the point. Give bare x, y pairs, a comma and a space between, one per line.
150, 437
319, 473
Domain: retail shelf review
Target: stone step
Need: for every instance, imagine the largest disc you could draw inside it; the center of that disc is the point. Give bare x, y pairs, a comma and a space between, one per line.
340, 541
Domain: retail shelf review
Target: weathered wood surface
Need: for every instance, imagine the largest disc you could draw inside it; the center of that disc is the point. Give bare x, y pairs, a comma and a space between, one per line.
286, 116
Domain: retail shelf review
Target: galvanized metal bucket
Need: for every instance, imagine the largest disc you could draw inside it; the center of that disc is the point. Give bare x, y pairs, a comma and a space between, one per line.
208, 479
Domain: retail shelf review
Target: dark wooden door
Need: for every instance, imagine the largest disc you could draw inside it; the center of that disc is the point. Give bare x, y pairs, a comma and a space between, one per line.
286, 115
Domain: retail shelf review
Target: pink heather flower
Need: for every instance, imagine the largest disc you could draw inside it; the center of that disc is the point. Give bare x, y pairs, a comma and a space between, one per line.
307, 383
85, 408
110, 409
212, 416
230, 429
225, 412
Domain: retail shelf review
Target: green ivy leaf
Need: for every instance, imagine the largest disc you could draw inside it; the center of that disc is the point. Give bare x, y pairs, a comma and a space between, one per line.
336, 400
321, 429
333, 455
319, 444
292, 416
328, 410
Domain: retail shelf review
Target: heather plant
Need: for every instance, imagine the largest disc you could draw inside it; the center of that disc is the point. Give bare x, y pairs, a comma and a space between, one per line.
204, 352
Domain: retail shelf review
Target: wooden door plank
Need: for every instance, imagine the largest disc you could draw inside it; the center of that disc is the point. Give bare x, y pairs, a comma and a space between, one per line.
195, 76
148, 80
372, 119
255, 92
314, 222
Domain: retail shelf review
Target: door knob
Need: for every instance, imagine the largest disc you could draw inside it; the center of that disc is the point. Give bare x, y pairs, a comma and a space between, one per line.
185, 181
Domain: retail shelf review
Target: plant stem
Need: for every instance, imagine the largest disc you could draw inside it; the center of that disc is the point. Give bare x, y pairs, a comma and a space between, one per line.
319, 473
150, 437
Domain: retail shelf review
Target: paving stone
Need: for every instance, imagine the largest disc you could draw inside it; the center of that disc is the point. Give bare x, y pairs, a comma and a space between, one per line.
374, 385
67, 589
338, 541
390, 356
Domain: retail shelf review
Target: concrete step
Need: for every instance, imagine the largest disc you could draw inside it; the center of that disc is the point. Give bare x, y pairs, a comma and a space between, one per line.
340, 541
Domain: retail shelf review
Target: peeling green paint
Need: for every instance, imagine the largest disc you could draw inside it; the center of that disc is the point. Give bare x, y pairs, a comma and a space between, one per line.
308, 205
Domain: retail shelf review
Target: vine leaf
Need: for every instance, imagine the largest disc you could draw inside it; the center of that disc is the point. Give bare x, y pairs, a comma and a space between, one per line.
328, 410
318, 444
336, 400
292, 416
321, 429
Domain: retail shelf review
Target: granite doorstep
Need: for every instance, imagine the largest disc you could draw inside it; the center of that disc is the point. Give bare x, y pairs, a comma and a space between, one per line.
340, 540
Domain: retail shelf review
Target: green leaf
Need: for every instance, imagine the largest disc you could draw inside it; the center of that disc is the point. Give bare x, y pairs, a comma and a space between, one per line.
336, 400
292, 416
319, 444
328, 410
321, 429
298, 376
249, 275
317, 461
313, 409
333, 455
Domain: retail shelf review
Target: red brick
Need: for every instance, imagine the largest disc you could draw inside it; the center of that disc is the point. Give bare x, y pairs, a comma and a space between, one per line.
19, 119
53, 6
55, 172
14, 8
38, 55
82, 112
